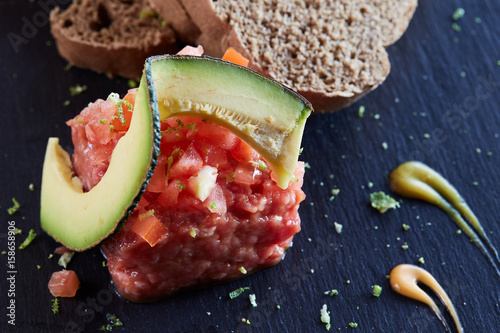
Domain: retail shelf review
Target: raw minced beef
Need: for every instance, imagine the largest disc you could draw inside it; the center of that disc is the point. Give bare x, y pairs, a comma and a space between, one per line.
191, 228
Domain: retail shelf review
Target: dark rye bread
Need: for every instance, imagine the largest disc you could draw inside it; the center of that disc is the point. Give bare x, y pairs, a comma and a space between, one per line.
112, 36
330, 51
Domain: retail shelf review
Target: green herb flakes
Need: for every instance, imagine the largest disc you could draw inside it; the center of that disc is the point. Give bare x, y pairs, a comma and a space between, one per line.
113, 320
353, 325
383, 202
66, 102
115, 99
242, 270
230, 177
458, 14
235, 293
12, 210
179, 184
132, 83
421, 260
361, 111
148, 13
333, 292
456, 27
28, 240
377, 290
406, 227
55, 305
77, 89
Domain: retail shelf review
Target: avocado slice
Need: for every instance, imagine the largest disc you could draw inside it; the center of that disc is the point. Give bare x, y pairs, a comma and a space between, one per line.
262, 112
79, 219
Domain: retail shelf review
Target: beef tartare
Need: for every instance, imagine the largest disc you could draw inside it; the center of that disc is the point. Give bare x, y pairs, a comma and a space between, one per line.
212, 211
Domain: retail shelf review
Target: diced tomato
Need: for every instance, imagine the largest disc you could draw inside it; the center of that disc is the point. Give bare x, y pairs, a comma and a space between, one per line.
245, 173
62, 250
64, 284
235, 57
299, 175
149, 228
216, 201
168, 197
189, 163
190, 50
158, 181
242, 152
172, 135
219, 136
143, 203
211, 154
128, 100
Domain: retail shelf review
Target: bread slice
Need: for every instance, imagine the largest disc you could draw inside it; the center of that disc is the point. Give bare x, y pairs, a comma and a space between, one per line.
330, 51
113, 37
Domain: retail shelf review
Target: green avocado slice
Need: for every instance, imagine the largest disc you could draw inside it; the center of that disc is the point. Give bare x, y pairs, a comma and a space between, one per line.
79, 219
262, 112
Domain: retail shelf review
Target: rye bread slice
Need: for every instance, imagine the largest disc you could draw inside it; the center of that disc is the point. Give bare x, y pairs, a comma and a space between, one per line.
330, 51
113, 37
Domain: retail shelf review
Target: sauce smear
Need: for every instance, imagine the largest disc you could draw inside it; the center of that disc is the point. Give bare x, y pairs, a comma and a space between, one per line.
404, 279
417, 180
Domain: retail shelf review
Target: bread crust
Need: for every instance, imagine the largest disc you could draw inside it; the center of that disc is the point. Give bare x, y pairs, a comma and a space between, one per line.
120, 57
218, 33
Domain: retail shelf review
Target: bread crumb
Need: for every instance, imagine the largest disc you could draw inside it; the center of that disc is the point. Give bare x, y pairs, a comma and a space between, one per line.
325, 317
252, 300
338, 227
383, 202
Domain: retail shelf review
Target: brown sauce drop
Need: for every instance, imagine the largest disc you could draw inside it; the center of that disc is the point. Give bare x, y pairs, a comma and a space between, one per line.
404, 279
416, 180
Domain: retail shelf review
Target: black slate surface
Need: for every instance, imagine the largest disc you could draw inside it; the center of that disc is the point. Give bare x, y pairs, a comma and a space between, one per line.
443, 83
